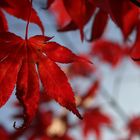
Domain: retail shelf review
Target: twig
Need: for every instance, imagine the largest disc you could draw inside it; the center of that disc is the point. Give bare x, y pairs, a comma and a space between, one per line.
114, 104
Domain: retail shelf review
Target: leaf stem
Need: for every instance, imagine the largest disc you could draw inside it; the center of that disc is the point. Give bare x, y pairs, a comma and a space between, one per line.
28, 20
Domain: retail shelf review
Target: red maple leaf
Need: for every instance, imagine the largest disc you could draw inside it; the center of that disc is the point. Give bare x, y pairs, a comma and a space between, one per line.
77, 13
126, 18
93, 120
24, 62
134, 127
81, 68
73, 14
16, 8
62, 17
99, 25
107, 51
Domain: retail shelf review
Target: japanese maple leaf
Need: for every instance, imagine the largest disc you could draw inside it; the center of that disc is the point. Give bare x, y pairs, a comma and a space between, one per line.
58, 9
127, 16
20, 9
99, 25
63, 19
44, 97
94, 119
75, 13
81, 68
25, 62
134, 127
80, 12
107, 51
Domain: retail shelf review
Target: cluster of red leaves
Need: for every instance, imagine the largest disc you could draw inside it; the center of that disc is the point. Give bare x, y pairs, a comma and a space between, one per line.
126, 19
41, 126
79, 13
40, 129
33, 61
16, 9
44, 121
108, 51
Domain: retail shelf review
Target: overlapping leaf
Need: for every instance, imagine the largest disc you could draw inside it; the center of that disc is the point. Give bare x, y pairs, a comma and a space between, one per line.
81, 68
99, 25
108, 51
122, 12
58, 9
75, 13
17, 8
134, 127
97, 119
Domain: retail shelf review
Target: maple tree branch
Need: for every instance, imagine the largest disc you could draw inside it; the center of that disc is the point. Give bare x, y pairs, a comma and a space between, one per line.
114, 105
117, 85
28, 21
118, 80
135, 2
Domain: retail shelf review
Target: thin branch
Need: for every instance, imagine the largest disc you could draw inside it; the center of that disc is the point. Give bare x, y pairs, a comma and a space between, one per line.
114, 104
